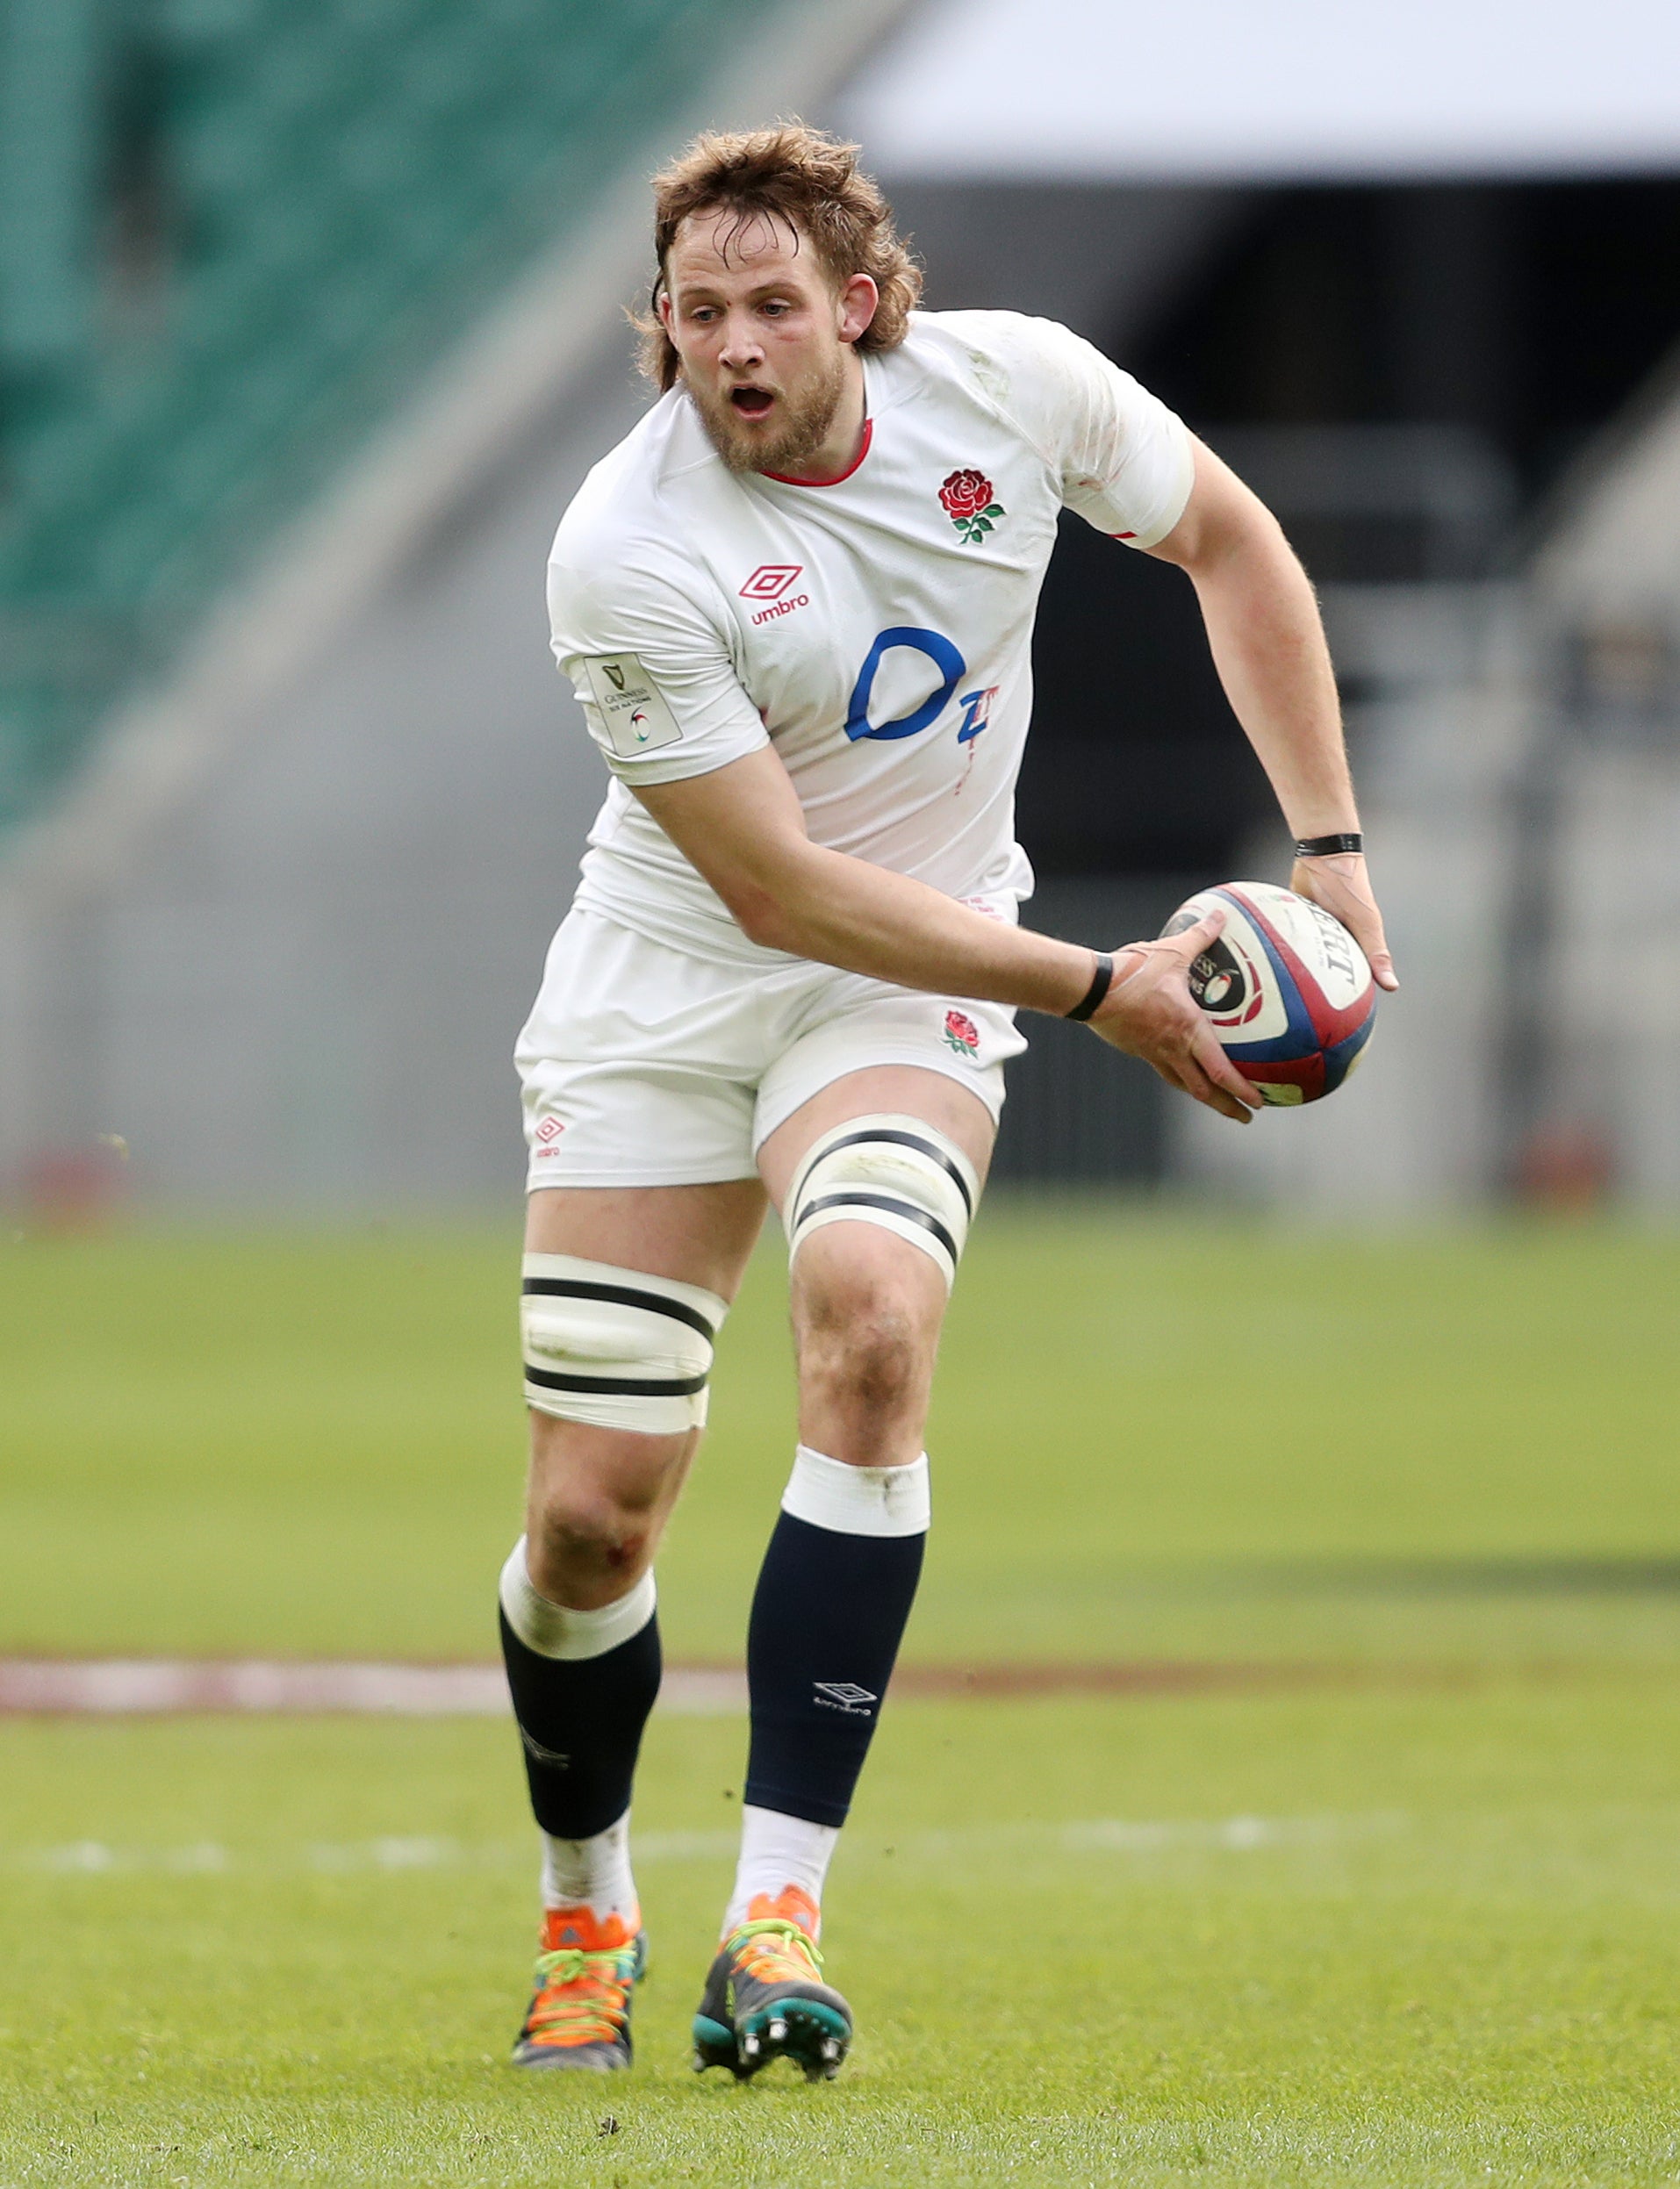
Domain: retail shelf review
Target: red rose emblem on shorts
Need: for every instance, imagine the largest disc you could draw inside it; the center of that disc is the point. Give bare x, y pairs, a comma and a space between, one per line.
962, 1033
966, 498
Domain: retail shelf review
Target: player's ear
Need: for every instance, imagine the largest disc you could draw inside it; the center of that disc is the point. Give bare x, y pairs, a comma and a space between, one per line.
858, 301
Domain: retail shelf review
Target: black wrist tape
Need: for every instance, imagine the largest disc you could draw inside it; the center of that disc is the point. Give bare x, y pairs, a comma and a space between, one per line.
1102, 979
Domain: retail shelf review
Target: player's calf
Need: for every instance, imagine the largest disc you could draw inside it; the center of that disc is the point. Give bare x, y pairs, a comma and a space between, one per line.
833, 1595
583, 1683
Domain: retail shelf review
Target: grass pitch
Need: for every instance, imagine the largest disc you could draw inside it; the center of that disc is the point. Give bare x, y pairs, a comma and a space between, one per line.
1415, 1924
1397, 1938
1149, 1438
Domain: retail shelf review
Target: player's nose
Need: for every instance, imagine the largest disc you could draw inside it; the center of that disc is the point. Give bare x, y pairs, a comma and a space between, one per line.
740, 347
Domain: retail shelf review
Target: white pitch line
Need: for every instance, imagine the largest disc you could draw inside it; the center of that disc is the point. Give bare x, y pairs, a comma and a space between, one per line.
394, 1855
169, 1686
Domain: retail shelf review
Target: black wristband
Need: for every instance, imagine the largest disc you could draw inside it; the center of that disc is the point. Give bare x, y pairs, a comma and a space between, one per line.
1326, 847
1102, 979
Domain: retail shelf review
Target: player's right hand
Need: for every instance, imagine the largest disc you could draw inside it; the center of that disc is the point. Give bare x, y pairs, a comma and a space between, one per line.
1149, 1012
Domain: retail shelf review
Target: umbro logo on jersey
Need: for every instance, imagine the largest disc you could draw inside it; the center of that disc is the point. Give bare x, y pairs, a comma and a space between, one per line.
771, 580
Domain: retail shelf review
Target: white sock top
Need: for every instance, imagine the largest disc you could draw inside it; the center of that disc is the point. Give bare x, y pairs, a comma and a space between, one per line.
858, 1500
554, 1631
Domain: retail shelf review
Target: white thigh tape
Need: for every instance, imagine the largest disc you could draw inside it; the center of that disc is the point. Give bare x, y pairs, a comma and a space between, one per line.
900, 1173
616, 1348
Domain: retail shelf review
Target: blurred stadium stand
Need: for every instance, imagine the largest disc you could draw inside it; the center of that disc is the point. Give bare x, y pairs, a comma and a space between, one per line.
1591, 1087
233, 235
309, 327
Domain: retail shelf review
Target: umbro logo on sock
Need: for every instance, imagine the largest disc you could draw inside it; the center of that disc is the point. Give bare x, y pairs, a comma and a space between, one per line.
538, 1754
845, 1695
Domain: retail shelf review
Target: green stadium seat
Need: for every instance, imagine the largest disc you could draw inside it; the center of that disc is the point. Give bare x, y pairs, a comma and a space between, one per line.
347, 182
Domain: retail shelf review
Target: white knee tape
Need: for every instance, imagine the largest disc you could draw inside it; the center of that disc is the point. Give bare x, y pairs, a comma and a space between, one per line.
900, 1173
614, 1347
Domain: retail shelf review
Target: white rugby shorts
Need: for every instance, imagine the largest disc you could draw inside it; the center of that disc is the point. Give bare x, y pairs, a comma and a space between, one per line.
642, 1066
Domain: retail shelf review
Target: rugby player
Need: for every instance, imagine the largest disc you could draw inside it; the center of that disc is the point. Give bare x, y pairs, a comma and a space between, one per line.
796, 603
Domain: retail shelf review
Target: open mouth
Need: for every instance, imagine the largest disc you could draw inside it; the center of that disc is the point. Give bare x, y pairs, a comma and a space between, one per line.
751, 402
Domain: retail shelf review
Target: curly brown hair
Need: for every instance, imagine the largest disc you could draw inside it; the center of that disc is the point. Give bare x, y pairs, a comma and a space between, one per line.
811, 180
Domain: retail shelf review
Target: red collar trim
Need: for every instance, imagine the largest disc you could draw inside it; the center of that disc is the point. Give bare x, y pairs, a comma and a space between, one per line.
782, 479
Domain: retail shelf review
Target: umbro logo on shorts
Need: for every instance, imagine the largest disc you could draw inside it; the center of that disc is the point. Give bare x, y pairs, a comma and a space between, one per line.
546, 1134
845, 1695
771, 580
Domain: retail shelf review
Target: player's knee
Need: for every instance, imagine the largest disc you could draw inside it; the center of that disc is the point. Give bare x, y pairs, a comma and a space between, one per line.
586, 1529
863, 1339
880, 1367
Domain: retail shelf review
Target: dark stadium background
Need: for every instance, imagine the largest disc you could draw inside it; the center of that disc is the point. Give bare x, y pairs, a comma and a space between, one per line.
1517, 318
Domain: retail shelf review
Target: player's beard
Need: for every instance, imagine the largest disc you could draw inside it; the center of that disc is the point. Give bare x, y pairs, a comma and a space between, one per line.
808, 411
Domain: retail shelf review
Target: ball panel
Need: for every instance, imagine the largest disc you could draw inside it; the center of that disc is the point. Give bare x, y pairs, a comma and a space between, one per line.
1288, 1030
1314, 954
1286, 988
1237, 981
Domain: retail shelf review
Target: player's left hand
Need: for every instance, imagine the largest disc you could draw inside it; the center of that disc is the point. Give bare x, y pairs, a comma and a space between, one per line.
1149, 1012
1340, 884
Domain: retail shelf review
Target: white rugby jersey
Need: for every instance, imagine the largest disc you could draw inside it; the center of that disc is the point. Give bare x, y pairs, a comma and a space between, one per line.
875, 628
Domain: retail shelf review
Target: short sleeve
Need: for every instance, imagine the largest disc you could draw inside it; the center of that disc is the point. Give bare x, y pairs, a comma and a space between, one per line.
1124, 459
653, 672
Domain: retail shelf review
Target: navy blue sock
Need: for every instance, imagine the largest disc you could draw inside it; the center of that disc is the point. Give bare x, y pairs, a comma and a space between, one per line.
580, 1722
827, 1618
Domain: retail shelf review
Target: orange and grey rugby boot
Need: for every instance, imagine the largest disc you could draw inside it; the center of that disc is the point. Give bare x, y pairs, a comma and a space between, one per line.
765, 1997
579, 2015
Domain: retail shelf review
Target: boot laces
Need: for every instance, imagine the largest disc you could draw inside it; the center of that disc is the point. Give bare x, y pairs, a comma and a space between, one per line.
771, 1950
581, 1997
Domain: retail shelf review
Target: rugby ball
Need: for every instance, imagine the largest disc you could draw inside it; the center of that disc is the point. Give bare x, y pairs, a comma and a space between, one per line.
1287, 989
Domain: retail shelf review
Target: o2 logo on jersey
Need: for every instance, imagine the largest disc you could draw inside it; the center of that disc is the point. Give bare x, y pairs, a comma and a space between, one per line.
940, 651
977, 713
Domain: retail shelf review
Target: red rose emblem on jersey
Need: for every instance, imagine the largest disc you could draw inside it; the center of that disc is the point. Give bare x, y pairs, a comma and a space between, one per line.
962, 1033
965, 493
967, 499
